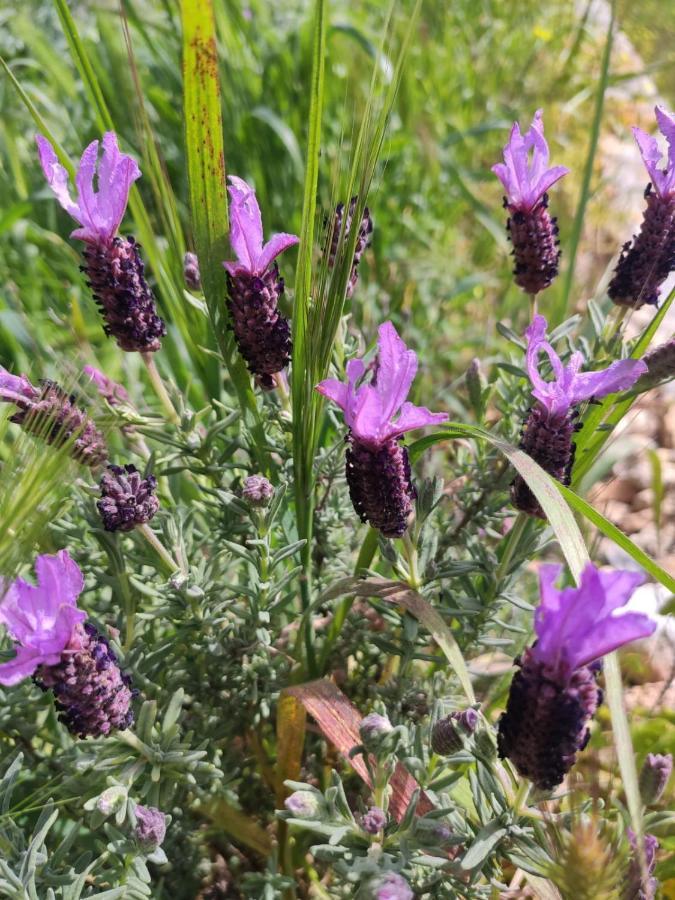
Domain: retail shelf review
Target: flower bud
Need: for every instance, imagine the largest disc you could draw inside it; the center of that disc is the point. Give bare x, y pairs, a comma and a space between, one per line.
374, 820
150, 827
373, 728
111, 800
654, 776
304, 805
447, 734
257, 491
390, 886
191, 272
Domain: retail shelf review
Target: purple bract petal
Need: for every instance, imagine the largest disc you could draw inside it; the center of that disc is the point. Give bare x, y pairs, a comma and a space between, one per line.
577, 625
15, 387
41, 618
662, 176
569, 386
370, 408
110, 390
246, 232
525, 181
98, 211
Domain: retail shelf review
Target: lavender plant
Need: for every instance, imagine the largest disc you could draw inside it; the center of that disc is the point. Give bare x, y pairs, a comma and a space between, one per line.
277, 647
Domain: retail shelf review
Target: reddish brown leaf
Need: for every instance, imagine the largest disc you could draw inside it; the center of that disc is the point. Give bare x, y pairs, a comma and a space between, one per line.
339, 720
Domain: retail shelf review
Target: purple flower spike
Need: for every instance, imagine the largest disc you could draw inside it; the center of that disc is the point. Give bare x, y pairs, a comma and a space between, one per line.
110, 390
113, 264
530, 228
378, 415
53, 415
254, 286
548, 432
526, 179
98, 212
71, 658
554, 694
648, 259
41, 618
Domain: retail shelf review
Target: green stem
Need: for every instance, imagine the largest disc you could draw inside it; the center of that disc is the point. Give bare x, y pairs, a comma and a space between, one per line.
410, 552
512, 541
160, 390
169, 563
520, 797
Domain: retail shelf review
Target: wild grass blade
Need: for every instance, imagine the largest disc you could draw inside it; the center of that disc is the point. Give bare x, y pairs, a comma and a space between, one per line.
208, 195
562, 304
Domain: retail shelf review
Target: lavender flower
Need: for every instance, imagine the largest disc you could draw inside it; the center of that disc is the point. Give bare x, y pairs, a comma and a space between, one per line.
649, 257
257, 491
446, 735
362, 242
374, 820
661, 365
549, 428
53, 415
654, 776
554, 694
634, 888
62, 652
378, 469
374, 727
531, 230
390, 886
113, 264
110, 390
254, 287
191, 273
150, 828
127, 499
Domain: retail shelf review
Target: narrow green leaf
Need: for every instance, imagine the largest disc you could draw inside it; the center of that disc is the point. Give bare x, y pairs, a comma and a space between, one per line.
208, 195
540, 483
615, 534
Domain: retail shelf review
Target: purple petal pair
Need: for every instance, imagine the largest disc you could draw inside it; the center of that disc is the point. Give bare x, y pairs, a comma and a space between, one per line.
554, 694
548, 432
378, 415
113, 264
254, 287
54, 416
647, 259
526, 177
62, 652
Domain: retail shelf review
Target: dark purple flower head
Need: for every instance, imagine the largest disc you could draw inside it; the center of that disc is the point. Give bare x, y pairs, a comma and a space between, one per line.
570, 386
246, 232
526, 180
41, 618
98, 212
150, 827
110, 390
377, 412
577, 625
127, 498
662, 176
